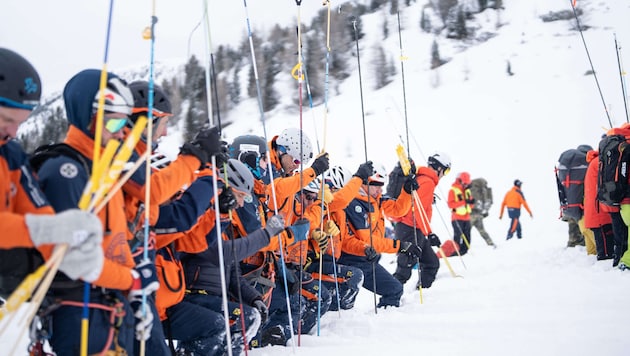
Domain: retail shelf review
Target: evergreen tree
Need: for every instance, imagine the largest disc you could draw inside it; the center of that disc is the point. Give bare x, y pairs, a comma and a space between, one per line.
393, 9
235, 87
385, 27
271, 68
379, 65
456, 24
194, 92
314, 63
444, 8
425, 21
436, 61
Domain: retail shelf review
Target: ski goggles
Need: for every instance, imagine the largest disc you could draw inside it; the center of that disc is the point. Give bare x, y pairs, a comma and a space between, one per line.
115, 124
12, 104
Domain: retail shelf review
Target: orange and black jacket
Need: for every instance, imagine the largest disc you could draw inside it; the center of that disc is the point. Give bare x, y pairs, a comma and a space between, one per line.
164, 183
336, 213
366, 222
420, 214
20, 195
514, 199
62, 179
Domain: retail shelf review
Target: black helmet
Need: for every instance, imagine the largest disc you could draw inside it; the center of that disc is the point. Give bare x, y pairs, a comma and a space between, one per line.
248, 149
161, 103
440, 160
518, 183
20, 86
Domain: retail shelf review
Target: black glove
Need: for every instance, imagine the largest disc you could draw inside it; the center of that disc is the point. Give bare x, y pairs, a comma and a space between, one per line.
227, 200
410, 184
484, 214
410, 249
365, 171
470, 201
275, 225
262, 308
321, 164
371, 254
413, 169
434, 240
206, 143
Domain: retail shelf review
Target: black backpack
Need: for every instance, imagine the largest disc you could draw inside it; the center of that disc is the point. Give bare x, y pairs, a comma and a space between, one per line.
612, 174
395, 182
570, 174
17, 263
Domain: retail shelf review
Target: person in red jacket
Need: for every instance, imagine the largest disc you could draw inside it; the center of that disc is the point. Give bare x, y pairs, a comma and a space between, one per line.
415, 226
596, 218
513, 200
27, 217
461, 201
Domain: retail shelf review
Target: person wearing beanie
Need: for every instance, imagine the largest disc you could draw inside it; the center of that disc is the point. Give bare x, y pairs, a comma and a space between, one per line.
28, 219
514, 200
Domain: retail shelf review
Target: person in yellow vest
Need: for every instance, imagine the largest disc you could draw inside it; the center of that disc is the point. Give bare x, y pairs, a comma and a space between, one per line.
460, 201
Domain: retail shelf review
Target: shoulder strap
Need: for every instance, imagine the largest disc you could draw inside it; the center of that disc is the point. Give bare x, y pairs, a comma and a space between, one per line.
43, 153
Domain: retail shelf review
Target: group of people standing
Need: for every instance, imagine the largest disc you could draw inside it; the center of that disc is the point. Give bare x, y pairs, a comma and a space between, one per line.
593, 193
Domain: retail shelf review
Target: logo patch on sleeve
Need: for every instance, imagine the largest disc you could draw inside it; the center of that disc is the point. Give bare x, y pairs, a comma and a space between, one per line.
68, 170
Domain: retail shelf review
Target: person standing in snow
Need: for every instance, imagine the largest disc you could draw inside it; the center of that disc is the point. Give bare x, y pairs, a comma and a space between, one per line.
461, 201
514, 200
482, 194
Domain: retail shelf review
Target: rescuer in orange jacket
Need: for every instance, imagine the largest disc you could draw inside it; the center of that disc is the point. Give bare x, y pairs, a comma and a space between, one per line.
26, 215
343, 282
513, 200
63, 179
366, 220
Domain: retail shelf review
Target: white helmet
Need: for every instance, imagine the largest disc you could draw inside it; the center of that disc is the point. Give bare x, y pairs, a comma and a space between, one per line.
439, 160
290, 140
337, 177
118, 97
379, 176
313, 186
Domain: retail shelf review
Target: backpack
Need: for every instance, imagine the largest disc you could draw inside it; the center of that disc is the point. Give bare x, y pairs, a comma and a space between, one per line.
17, 263
612, 171
570, 173
482, 195
395, 182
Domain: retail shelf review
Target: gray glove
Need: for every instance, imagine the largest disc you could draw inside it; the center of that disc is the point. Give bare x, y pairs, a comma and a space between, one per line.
71, 227
275, 225
262, 309
84, 262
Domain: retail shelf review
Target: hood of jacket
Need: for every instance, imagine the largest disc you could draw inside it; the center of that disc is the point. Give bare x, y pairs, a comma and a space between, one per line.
78, 96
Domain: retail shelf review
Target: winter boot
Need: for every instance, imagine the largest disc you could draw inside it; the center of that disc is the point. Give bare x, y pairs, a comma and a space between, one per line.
275, 335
